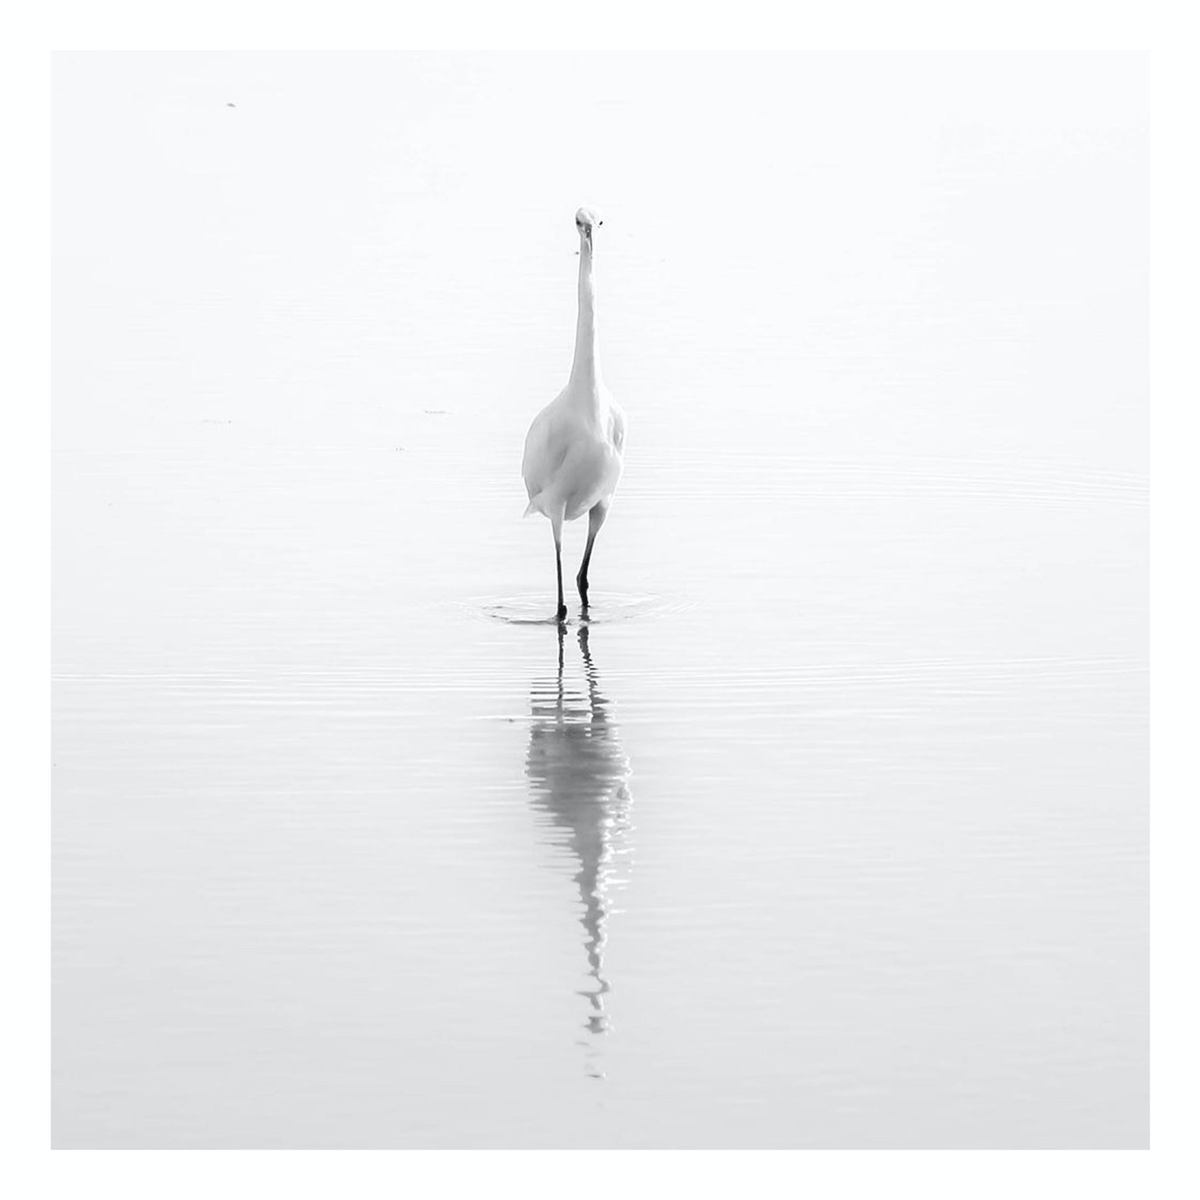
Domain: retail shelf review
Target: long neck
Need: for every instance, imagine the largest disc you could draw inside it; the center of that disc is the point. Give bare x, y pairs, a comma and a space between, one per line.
585, 371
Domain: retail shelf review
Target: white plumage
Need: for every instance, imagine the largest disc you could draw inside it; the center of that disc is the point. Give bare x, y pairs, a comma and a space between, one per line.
575, 447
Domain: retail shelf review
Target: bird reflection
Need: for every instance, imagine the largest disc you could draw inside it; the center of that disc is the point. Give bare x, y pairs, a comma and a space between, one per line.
577, 777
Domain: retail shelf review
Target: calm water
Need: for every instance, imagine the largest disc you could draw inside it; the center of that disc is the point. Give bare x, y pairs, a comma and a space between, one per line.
829, 827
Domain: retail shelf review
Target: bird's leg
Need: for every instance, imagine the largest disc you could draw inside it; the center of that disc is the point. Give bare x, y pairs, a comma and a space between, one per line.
595, 520
561, 614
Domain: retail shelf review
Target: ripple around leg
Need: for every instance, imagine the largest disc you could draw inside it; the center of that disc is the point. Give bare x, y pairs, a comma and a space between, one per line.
603, 609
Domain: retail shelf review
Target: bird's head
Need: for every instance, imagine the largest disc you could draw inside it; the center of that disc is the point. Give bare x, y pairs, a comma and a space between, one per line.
587, 220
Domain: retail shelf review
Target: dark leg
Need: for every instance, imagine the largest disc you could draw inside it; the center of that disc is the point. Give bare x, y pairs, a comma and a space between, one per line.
561, 614
595, 520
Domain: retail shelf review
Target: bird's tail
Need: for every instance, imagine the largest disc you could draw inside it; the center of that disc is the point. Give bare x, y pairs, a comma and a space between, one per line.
533, 506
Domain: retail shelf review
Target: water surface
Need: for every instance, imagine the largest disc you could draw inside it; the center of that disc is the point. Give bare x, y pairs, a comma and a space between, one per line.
828, 826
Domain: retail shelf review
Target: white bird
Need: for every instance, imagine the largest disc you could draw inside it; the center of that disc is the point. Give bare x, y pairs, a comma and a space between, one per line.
574, 450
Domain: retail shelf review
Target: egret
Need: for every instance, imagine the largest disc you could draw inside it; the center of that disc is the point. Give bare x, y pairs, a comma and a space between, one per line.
574, 451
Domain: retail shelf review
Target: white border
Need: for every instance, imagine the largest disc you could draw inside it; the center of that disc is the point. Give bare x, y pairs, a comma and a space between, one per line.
1174, 380
559, 24
1175, 600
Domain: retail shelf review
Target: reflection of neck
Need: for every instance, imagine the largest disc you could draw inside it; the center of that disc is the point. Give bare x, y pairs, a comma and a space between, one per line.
585, 372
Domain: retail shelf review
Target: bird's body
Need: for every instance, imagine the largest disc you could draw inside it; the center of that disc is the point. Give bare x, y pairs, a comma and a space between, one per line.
574, 451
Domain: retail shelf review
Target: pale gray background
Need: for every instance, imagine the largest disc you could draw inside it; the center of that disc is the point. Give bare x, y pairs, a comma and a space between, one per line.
855, 792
